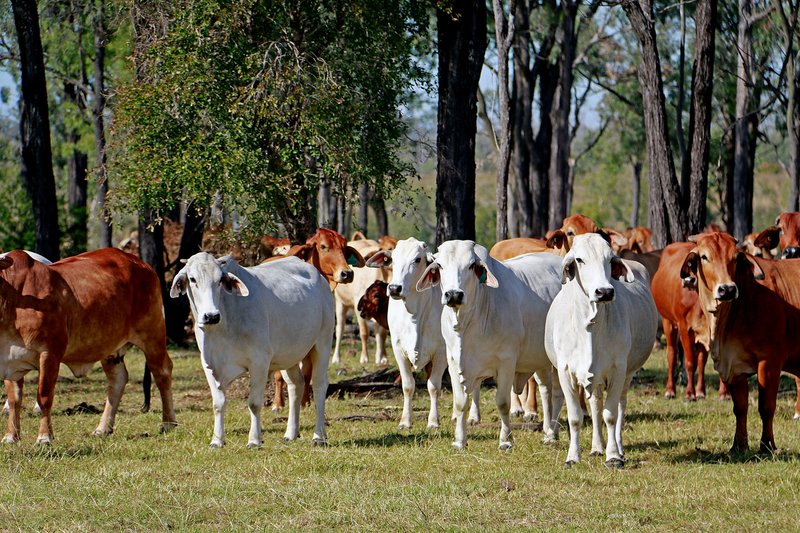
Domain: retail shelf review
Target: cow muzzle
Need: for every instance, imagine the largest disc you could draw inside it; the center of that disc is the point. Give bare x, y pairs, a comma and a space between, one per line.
604, 294
791, 252
395, 291
210, 318
345, 276
726, 293
453, 298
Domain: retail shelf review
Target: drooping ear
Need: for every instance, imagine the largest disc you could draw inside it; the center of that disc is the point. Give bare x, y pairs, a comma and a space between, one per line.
557, 240
692, 238
689, 270
430, 278
744, 260
6, 262
179, 284
621, 271
768, 239
234, 285
353, 258
301, 251
484, 275
568, 268
617, 239
429, 258
380, 259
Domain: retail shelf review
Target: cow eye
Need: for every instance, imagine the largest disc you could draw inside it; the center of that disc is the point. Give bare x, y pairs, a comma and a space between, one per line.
579, 260
418, 259
570, 233
323, 248
193, 280
704, 258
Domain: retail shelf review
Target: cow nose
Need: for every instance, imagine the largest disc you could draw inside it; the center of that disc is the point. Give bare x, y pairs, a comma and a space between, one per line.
211, 318
346, 276
604, 294
454, 298
726, 293
791, 252
395, 290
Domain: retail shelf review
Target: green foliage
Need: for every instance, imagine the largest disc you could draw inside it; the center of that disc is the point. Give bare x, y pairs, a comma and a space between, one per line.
16, 213
258, 100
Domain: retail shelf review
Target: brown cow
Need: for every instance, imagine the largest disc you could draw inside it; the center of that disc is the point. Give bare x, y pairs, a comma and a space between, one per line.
374, 304
751, 323
78, 311
329, 253
639, 239
270, 246
509, 248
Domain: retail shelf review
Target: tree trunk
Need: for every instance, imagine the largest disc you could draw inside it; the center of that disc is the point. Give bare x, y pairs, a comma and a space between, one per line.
462, 44
381, 218
667, 218
363, 208
559, 165
742, 175
540, 155
699, 147
77, 165
679, 108
504, 33
326, 206
37, 160
637, 187
789, 26
98, 110
177, 309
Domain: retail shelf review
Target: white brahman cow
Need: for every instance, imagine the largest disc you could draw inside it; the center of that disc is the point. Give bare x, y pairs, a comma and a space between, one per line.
600, 330
493, 326
414, 319
259, 320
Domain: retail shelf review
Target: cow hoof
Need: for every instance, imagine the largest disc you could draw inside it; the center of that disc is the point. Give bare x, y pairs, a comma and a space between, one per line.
569, 464
690, 399
724, 397
166, 427
216, 445
102, 432
615, 463
317, 442
44, 440
290, 439
364, 360
516, 413
796, 416
382, 361
596, 454
473, 422
404, 426
277, 408
549, 439
145, 408
669, 395
433, 427
253, 445
506, 446
10, 439
459, 447
530, 417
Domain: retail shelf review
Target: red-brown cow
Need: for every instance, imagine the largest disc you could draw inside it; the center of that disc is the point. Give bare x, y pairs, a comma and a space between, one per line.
329, 253
509, 248
374, 304
751, 323
78, 311
639, 239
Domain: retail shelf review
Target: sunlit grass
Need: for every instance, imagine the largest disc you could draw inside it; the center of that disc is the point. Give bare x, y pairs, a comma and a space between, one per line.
376, 477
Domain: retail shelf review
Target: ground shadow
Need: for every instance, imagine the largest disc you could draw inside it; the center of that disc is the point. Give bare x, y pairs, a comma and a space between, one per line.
701, 456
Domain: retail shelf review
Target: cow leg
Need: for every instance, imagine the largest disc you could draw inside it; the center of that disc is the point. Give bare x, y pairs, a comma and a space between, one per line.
723, 391
307, 366
409, 384
545, 379
363, 332
671, 335
460, 398
475, 407
155, 353
702, 359
259, 376
14, 394
531, 406
596, 403
279, 386
516, 403
48, 375
319, 356
502, 397
690, 359
797, 402
437, 367
218, 401
117, 376
574, 417
341, 316
768, 382
611, 414
294, 382
623, 405
147, 386
738, 389
380, 340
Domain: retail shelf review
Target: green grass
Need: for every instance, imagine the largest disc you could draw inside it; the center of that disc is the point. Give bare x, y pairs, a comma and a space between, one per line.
375, 477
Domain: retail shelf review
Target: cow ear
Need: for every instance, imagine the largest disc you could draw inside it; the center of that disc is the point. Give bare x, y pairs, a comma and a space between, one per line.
744, 261
352, 257
769, 238
234, 285
380, 259
6, 262
617, 239
557, 240
484, 275
692, 238
689, 270
429, 278
567, 268
179, 284
621, 271
301, 251
635, 248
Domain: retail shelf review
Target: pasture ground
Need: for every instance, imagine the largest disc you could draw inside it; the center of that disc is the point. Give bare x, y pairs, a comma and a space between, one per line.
375, 477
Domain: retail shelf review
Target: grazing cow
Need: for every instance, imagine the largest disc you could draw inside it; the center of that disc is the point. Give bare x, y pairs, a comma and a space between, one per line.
750, 323
493, 326
374, 305
328, 252
748, 245
415, 322
346, 298
271, 246
78, 311
600, 330
256, 320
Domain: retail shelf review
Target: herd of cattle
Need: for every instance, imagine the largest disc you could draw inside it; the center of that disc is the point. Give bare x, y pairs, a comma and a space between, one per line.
573, 316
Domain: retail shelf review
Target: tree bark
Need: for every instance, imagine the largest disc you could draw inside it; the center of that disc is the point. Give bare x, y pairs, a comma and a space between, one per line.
559, 164
37, 157
98, 110
699, 146
504, 34
462, 44
789, 27
381, 218
191, 243
679, 107
363, 208
667, 218
742, 175
637, 187
77, 165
